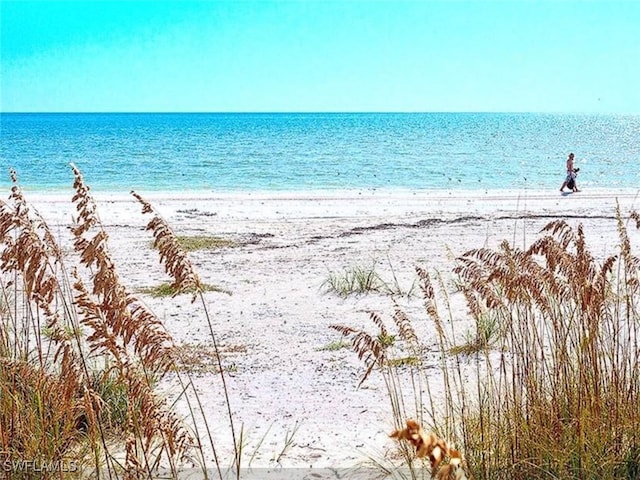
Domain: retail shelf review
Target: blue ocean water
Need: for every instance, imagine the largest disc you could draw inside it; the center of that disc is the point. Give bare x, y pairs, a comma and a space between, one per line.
318, 151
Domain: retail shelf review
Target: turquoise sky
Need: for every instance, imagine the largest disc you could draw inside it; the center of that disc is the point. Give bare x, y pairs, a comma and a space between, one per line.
482, 55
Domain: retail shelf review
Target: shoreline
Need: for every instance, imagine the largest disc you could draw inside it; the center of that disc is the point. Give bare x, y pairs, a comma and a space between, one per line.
312, 193
381, 206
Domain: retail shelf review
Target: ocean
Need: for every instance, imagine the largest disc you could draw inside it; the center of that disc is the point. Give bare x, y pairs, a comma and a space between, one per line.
241, 152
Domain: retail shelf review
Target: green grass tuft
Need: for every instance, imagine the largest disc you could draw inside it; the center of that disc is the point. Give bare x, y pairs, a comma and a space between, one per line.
362, 279
411, 361
487, 333
335, 346
386, 340
167, 290
113, 393
204, 242
353, 280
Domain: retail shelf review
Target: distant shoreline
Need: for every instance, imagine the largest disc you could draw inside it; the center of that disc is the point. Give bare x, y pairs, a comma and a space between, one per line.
327, 193
403, 207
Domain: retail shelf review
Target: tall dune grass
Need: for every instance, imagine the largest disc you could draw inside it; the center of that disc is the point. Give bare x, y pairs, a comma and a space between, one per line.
80, 355
555, 393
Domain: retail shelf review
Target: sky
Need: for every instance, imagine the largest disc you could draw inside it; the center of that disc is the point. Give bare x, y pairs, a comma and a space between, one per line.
320, 56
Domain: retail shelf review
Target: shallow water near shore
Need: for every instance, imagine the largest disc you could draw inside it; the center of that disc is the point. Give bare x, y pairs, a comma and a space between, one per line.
318, 152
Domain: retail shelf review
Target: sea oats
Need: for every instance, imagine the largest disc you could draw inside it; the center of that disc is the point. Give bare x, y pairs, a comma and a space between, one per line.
172, 255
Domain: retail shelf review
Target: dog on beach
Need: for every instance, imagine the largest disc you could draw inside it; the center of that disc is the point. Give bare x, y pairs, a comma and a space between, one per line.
571, 183
429, 445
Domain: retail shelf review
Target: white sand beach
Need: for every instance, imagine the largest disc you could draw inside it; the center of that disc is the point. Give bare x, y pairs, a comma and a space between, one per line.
274, 327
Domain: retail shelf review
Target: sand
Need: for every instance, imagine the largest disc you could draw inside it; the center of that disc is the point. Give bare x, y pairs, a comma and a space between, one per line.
297, 400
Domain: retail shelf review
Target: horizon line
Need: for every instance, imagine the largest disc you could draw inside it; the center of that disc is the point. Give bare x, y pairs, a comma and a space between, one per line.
311, 112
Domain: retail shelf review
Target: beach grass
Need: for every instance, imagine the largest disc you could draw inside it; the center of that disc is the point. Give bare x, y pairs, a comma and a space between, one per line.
170, 290
360, 279
80, 362
203, 242
487, 333
547, 385
354, 280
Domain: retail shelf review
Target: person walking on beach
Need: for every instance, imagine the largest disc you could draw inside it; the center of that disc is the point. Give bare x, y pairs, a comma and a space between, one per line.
570, 180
